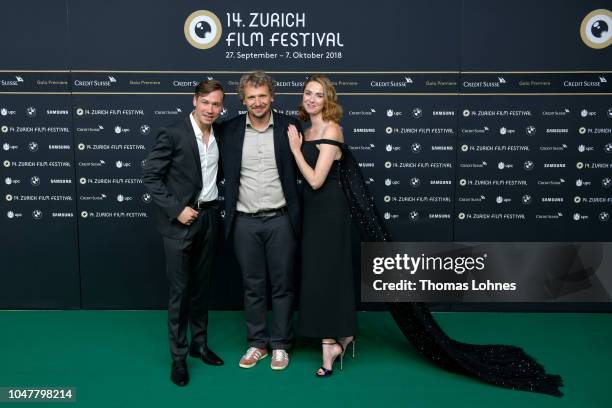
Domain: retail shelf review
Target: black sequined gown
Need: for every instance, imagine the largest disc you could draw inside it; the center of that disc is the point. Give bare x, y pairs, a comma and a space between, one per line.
327, 296
502, 365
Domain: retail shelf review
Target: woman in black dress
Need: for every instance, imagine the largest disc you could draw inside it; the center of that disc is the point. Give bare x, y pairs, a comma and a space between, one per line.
337, 193
327, 295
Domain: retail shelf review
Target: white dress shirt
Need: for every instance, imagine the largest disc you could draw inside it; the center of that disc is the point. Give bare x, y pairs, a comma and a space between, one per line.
209, 160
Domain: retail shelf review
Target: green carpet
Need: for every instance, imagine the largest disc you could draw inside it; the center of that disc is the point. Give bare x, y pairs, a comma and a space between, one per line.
120, 359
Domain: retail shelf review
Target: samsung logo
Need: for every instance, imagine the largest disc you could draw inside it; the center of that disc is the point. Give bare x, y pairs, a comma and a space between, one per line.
439, 216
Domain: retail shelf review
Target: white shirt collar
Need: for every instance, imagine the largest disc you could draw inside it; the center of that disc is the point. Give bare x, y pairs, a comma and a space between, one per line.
196, 129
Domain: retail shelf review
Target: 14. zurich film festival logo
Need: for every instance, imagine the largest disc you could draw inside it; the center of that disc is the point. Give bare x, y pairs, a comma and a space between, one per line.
203, 29
596, 29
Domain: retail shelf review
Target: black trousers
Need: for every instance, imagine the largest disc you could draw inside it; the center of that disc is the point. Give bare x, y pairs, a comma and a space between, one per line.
265, 249
189, 266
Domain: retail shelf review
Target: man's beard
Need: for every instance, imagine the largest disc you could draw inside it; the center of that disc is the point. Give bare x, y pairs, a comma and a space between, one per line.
260, 116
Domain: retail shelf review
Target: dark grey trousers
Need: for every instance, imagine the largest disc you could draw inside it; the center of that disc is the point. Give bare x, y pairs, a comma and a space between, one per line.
265, 249
189, 267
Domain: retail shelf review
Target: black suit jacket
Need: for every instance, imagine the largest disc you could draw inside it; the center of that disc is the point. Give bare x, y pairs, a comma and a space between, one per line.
232, 141
173, 175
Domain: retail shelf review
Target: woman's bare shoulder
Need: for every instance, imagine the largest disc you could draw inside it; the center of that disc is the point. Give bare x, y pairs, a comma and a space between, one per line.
333, 131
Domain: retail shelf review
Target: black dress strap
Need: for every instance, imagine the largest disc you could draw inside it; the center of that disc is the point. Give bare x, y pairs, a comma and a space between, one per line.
328, 141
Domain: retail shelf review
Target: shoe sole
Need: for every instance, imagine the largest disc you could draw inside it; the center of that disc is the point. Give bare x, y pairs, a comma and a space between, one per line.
252, 365
279, 368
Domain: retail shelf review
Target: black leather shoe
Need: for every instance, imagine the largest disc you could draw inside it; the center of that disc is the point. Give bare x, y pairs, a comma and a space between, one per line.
179, 374
206, 355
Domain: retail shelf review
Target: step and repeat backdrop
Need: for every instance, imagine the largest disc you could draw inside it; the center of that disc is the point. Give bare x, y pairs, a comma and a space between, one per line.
472, 121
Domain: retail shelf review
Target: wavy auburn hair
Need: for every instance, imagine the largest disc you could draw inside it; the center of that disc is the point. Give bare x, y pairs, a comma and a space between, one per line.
331, 109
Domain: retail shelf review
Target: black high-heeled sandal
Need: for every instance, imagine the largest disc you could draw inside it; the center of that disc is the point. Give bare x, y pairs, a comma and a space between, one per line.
329, 372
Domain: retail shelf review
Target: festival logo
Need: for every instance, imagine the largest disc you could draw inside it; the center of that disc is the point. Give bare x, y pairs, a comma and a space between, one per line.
596, 29
202, 29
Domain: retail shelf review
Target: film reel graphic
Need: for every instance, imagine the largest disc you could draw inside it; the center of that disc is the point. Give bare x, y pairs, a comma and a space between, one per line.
202, 29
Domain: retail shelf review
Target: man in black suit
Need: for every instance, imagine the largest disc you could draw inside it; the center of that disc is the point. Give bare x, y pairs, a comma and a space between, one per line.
181, 173
262, 216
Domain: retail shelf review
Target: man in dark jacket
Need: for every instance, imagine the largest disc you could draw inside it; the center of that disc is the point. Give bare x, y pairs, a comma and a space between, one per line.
181, 173
262, 216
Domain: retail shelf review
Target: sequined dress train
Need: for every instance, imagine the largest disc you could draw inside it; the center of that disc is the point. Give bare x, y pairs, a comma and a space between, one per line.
501, 365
